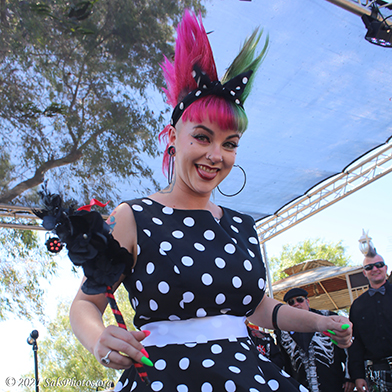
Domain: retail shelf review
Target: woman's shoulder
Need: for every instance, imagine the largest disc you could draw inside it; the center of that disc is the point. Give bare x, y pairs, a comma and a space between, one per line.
238, 216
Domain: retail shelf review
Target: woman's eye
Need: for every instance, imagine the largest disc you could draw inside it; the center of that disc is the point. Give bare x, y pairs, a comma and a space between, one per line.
202, 138
231, 145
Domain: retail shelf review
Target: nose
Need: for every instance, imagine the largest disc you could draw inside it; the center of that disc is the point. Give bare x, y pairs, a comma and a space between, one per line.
214, 155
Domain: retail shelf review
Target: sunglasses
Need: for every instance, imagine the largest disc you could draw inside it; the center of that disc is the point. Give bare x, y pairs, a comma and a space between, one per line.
369, 267
300, 300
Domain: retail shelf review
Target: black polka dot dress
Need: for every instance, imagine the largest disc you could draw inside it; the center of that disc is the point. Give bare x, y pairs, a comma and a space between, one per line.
191, 267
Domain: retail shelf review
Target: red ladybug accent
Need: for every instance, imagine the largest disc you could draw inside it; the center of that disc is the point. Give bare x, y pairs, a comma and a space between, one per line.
54, 245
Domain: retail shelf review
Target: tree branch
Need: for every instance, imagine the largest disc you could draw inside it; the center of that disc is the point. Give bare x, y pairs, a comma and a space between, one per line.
39, 174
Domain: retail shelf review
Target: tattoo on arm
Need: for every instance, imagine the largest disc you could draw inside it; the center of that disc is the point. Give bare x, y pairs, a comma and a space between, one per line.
112, 221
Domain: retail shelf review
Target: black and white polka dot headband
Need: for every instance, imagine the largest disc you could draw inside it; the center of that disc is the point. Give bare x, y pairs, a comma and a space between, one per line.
231, 91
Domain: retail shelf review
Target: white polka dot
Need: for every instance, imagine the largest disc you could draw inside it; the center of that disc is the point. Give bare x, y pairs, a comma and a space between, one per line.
120, 385
147, 201
247, 299
230, 386
229, 248
248, 265
253, 240
237, 219
237, 282
147, 232
163, 287
162, 252
234, 369
284, 374
259, 379
234, 229
139, 285
207, 363
206, 279
167, 210
199, 247
220, 263
225, 310
263, 358
209, 235
137, 208
245, 346
251, 254
216, 349
188, 297
178, 234
156, 386
150, 267
253, 390
303, 389
187, 261
206, 387
176, 270
182, 388
160, 364
261, 283
157, 221
234, 240
184, 363
138, 251
153, 305
189, 222
220, 298
240, 357
201, 313
190, 345
166, 246
134, 385
273, 384
173, 317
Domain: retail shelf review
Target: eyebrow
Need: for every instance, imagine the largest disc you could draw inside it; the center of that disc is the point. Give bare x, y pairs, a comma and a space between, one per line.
211, 132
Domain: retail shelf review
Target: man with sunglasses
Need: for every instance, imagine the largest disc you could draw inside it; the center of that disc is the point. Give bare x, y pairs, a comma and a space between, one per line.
312, 358
370, 361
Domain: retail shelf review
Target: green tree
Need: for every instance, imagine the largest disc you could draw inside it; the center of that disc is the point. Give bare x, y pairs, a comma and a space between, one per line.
75, 82
23, 263
64, 364
309, 249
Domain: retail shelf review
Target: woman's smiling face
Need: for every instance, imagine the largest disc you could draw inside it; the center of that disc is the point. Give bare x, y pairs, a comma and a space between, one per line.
205, 154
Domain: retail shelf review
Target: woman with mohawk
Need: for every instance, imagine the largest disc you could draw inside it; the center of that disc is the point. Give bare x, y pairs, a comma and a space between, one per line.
197, 272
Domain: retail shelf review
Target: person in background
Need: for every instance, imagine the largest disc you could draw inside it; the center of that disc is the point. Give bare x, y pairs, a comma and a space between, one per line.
265, 344
312, 358
370, 357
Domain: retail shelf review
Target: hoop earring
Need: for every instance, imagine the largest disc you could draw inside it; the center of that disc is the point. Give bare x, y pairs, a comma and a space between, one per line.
171, 151
243, 185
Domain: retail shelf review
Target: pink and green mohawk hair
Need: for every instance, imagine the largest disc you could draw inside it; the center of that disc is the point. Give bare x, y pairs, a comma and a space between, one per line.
193, 48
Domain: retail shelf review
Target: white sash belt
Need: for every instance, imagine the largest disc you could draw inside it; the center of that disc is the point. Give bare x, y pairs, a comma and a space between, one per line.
195, 330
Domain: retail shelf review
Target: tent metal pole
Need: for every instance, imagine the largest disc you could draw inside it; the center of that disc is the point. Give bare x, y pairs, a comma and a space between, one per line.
266, 262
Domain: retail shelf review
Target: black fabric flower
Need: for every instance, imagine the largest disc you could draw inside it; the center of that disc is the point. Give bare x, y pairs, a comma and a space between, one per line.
89, 242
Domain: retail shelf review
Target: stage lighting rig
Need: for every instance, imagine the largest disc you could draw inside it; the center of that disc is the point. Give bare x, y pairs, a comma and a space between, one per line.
379, 32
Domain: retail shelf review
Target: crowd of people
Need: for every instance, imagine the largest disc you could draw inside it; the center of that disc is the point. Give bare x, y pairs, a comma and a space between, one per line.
197, 279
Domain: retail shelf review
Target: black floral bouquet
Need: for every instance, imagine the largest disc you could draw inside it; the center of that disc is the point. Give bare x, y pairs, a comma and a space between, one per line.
88, 240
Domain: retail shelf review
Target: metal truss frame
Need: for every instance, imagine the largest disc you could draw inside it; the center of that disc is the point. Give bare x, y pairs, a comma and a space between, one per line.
358, 7
362, 172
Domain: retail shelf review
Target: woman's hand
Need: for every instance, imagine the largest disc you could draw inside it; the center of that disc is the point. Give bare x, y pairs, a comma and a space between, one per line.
339, 329
123, 347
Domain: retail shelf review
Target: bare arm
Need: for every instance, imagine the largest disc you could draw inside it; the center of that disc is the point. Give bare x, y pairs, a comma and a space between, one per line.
87, 310
292, 319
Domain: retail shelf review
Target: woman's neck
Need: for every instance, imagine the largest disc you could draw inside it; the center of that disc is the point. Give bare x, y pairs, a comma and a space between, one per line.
187, 202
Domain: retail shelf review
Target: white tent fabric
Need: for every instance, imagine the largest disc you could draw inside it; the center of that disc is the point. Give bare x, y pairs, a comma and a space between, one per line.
322, 98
